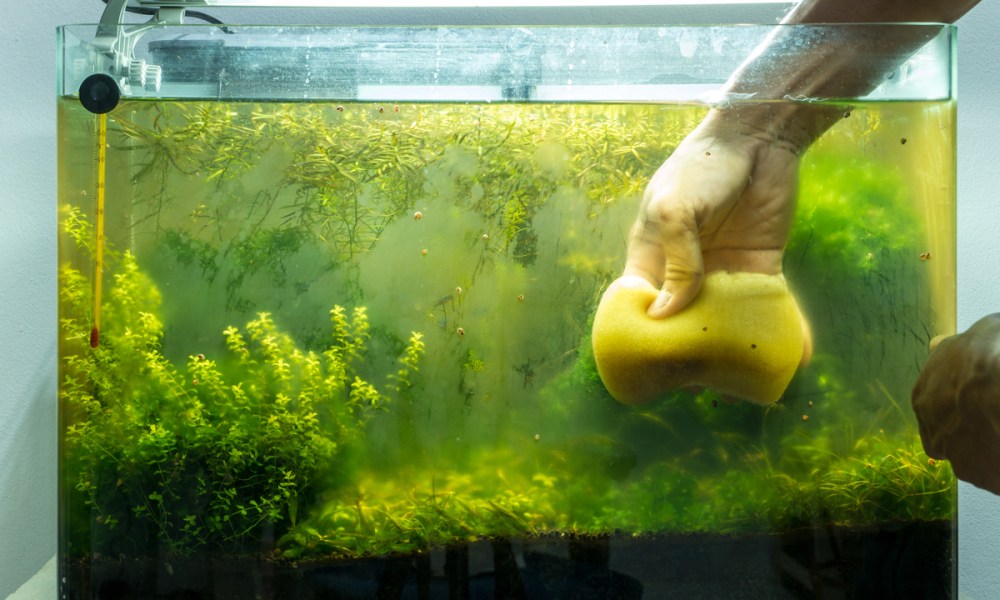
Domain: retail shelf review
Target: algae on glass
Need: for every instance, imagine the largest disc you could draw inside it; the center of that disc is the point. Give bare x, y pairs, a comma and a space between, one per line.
335, 331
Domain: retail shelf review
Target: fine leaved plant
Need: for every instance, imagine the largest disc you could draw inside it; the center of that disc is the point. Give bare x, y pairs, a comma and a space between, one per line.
217, 451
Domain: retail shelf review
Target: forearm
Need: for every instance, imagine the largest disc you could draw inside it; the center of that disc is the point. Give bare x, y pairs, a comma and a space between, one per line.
879, 11
827, 63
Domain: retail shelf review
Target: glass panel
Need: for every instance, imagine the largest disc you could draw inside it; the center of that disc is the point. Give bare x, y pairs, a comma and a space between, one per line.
566, 64
436, 3
326, 299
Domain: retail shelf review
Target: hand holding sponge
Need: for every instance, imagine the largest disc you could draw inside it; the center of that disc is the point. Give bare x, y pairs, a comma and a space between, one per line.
742, 336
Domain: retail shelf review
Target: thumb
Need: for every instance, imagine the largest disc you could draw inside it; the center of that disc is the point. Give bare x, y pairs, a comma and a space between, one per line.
683, 269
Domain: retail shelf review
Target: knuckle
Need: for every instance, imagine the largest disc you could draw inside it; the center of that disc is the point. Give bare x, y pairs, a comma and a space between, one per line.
679, 269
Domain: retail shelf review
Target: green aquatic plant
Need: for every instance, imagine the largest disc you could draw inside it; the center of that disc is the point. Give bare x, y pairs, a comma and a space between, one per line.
417, 511
264, 436
857, 241
509, 495
218, 450
704, 465
888, 481
344, 175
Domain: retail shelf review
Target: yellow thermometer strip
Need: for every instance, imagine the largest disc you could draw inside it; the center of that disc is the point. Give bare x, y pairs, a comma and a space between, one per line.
102, 145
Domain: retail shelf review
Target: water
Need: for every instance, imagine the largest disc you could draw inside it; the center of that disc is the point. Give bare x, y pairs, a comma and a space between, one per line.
337, 340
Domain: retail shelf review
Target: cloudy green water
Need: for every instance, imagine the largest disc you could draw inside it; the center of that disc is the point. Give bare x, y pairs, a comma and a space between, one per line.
463, 402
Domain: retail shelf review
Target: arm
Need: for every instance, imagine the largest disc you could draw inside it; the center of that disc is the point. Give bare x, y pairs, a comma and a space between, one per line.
725, 199
836, 63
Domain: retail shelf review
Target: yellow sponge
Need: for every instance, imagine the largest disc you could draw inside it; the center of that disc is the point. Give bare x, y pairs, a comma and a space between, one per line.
742, 336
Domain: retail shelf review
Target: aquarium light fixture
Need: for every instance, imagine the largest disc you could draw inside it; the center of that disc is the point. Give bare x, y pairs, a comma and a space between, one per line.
439, 3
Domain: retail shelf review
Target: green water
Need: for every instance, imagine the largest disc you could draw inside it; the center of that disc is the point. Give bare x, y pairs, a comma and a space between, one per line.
346, 331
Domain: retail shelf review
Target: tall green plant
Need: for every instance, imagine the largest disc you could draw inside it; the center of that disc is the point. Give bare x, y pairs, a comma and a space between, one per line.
215, 451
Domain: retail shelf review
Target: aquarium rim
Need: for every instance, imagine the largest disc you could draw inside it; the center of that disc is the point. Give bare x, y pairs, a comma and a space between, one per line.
461, 63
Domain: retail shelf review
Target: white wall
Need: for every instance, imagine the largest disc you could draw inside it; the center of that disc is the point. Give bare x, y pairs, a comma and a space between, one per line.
978, 262
28, 256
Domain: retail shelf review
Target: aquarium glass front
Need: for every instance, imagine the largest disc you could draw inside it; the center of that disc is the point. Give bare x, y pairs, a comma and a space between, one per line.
326, 298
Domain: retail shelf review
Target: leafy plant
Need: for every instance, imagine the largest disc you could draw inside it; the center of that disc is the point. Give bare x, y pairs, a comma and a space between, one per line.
217, 450
346, 174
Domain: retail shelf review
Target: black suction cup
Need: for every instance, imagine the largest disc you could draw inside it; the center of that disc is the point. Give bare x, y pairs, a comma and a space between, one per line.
99, 93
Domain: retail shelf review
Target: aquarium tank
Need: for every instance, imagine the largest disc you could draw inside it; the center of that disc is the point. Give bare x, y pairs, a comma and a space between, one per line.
326, 298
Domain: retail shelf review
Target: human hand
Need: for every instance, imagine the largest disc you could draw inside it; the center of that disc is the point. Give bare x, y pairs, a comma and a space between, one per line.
724, 200
957, 402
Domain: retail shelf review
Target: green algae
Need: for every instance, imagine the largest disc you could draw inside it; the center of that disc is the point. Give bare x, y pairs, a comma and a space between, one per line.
234, 406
